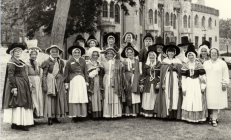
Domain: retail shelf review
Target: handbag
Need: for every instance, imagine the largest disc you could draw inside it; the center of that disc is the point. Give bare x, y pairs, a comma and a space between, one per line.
13, 102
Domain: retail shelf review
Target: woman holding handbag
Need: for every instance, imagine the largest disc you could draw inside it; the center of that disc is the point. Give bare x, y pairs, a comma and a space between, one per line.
17, 101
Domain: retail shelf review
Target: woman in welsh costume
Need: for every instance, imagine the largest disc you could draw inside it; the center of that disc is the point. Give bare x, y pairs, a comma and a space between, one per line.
217, 77
92, 44
132, 76
203, 52
77, 77
34, 72
203, 55
148, 41
194, 107
111, 39
112, 84
55, 105
17, 101
159, 48
169, 99
128, 37
150, 82
95, 83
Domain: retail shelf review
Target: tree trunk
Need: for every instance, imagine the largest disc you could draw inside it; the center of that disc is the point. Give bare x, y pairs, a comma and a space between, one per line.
59, 24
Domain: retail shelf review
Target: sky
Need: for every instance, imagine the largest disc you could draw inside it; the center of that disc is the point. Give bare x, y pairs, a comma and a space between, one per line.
224, 6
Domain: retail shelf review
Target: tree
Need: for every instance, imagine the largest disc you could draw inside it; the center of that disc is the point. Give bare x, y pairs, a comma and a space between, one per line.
225, 28
59, 23
59, 18
81, 18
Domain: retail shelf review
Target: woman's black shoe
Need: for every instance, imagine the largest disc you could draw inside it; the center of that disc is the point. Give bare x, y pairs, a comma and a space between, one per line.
74, 119
13, 126
24, 128
49, 121
55, 120
35, 123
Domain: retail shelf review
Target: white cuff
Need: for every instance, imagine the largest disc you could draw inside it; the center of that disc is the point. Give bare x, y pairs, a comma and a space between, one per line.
14, 89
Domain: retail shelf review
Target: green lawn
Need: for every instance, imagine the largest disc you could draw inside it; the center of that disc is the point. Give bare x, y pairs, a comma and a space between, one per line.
136, 128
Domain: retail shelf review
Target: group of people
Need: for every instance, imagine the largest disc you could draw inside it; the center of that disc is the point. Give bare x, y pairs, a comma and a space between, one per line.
172, 81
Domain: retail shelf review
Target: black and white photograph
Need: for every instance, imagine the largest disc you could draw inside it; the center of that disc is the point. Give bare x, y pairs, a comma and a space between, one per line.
115, 70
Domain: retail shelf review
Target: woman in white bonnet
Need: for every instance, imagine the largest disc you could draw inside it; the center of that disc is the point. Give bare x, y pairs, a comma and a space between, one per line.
203, 53
95, 83
55, 105
194, 107
34, 72
76, 82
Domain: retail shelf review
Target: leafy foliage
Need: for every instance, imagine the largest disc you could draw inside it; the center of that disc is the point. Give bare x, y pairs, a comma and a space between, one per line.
225, 28
82, 17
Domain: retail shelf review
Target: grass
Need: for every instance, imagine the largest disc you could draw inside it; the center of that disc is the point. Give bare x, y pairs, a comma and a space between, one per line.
135, 128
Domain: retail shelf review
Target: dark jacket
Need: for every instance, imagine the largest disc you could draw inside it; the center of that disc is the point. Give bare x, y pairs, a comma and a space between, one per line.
74, 68
16, 77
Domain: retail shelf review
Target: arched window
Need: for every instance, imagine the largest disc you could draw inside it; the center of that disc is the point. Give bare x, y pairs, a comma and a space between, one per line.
174, 22
167, 19
112, 9
150, 16
171, 18
189, 22
167, 40
117, 13
210, 22
155, 16
105, 9
185, 21
203, 21
159, 19
196, 20
141, 17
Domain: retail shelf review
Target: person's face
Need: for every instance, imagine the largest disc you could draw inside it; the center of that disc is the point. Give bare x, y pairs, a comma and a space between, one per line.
111, 40
129, 39
159, 48
81, 43
152, 56
191, 57
54, 52
185, 48
148, 41
76, 54
130, 53
17, 53
33, 55
203, 53
110, 55
92, 44
95, 55
170, 54
214, 54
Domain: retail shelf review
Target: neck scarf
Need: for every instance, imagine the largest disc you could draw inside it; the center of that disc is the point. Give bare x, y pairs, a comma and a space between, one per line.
129, 63
33, 64
152, 71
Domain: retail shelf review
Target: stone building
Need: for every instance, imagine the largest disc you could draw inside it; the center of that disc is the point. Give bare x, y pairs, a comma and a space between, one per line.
170, 19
